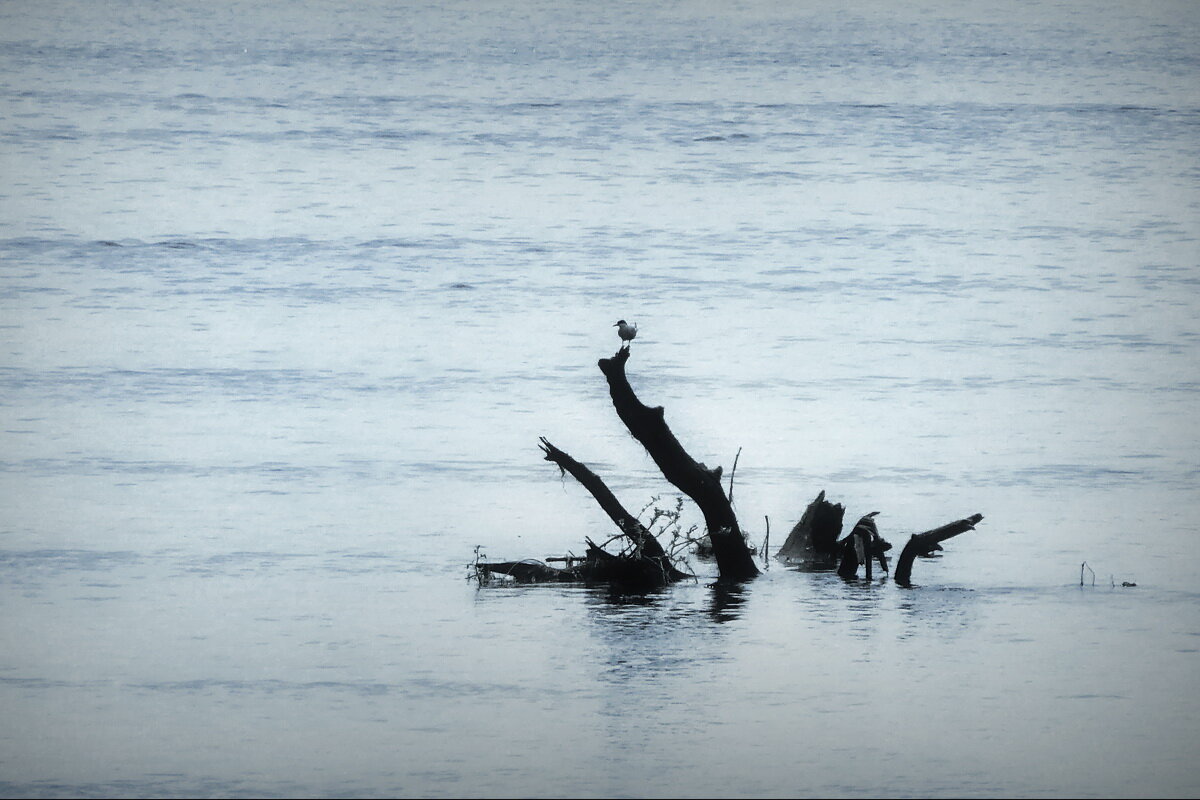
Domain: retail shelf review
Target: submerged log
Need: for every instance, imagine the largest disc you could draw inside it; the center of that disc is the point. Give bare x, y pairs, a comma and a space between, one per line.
928, 543
627, 572
527, 571
623, 573
814, 539
735, 561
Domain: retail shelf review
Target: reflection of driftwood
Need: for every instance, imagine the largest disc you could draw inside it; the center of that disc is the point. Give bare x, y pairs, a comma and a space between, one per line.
927, 543
703, 485
814, 539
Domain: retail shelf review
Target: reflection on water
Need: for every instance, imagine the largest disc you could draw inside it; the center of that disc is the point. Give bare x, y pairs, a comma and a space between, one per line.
727, 601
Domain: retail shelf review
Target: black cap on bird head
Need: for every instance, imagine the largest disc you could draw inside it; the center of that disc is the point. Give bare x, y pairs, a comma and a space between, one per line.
618, 322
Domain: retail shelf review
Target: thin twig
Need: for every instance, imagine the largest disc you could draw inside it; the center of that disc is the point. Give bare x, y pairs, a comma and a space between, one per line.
685, 540
767, 544
606, 542
652, 501
733, 472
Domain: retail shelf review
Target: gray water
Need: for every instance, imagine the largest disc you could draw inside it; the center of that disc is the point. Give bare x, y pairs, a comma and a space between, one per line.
290, 291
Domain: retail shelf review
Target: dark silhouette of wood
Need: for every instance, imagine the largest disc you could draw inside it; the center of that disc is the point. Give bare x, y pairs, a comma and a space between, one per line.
735, 562
928, 543
598, 567
861, 546
527, 571
644, 543
814, 539
645, 565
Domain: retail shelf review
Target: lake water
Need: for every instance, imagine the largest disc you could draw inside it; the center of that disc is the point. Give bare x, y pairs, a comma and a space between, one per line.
289, 291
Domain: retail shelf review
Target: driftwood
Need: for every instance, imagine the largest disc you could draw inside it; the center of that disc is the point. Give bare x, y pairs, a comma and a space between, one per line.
624, 572
643, 564
928, 543
813, 540
862, 545
645, 546
527, 571
735, 561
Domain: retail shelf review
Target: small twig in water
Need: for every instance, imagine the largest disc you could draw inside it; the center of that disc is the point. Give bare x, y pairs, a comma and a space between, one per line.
733, 472
1082, 567
766, 544
477, 572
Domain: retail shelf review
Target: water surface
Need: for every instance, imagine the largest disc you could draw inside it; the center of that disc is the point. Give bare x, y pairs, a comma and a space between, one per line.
288, 294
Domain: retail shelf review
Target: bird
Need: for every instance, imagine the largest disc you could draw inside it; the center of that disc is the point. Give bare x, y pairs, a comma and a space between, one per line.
625, 331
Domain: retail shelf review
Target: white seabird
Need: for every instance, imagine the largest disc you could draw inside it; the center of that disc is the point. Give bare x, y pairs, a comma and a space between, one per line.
625, 331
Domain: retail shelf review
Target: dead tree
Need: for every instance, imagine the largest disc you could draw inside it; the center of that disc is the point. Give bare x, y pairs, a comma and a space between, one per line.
928, 543
815, 539
735, 562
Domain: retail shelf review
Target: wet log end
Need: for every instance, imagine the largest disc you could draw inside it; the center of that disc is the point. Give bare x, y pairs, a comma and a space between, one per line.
929, 542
